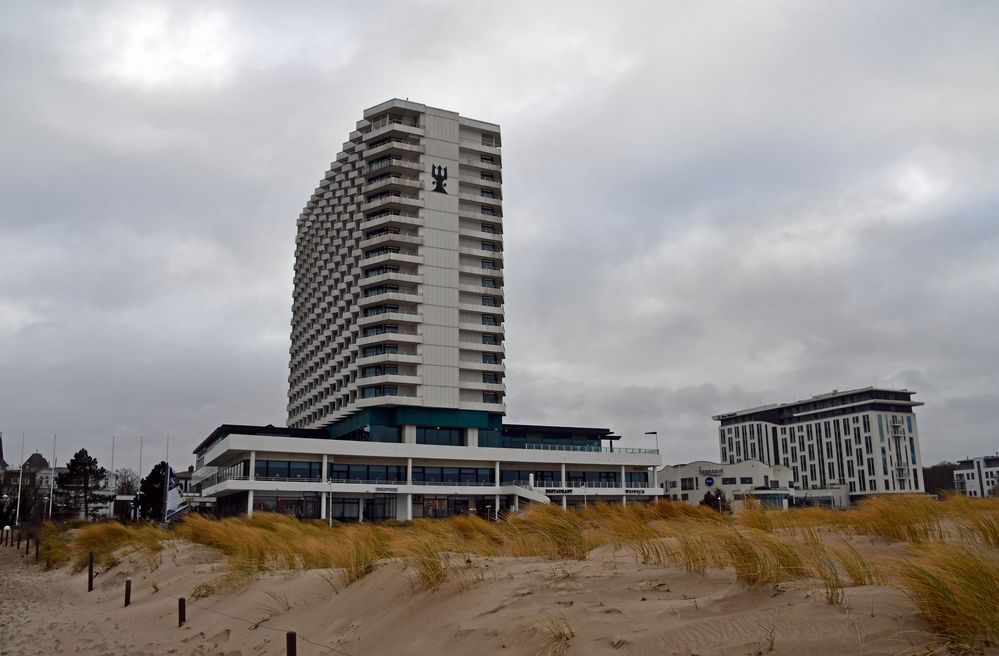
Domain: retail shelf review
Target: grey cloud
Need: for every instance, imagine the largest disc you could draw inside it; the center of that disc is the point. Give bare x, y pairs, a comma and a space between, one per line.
708, 206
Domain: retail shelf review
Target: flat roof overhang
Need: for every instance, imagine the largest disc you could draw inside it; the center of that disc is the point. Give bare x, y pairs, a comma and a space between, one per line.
245, 429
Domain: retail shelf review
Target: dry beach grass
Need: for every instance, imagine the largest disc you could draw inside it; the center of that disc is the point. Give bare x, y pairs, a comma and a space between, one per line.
942, 554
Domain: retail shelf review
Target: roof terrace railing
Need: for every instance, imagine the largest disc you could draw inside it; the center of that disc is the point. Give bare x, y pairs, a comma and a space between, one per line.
587, 448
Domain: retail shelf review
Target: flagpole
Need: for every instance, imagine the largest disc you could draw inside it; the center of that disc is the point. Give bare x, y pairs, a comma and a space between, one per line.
17, 513
52, 477
114, 482
138, 493
166, 479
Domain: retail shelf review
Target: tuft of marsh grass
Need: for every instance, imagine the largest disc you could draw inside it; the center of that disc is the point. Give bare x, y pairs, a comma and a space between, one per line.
432, 565
755, 515
106, 538
56, 545
825, 568
954, 588
857, 568
556, 638
549, 531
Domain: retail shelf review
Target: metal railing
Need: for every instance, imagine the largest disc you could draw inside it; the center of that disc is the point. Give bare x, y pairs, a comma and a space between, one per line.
587, 448
548, 484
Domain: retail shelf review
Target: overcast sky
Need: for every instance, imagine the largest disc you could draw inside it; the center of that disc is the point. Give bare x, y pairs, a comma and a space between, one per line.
708, 206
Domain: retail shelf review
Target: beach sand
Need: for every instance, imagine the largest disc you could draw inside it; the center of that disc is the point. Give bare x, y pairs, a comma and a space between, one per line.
611, 604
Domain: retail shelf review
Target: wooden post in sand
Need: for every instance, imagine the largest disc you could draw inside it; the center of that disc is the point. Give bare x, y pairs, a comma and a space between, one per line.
292, 642
128, 592
18, 541
36, 550
181, 611
90, 571
27, 545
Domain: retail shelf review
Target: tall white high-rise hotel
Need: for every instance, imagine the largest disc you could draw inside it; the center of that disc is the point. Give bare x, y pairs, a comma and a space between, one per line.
398, 291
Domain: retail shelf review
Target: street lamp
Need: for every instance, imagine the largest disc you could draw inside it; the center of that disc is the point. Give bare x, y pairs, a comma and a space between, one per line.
655, 470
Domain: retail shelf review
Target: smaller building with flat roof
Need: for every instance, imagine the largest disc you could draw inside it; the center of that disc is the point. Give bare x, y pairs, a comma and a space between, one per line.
978, 477
371, 472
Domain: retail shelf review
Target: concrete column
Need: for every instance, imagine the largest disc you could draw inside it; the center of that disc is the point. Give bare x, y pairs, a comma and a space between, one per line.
324, 478
409, 434
253, 465
623, 484
516, 503
624, 500
655, 477
360, 509
409, 471
249, 503
496, 507
496, 480
563, 478
564, 504
471, 437
322, 505
404, 507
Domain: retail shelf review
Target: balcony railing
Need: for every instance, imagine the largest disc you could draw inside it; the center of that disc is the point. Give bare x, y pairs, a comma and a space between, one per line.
538, 484
548, 484
587, 448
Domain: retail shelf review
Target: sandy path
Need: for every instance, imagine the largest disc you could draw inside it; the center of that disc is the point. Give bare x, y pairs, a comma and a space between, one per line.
613, 606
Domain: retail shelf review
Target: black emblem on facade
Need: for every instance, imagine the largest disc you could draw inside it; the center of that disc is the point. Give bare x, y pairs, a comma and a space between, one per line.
440, 175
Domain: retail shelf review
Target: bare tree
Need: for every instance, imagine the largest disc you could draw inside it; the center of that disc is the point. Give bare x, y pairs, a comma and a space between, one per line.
127, 481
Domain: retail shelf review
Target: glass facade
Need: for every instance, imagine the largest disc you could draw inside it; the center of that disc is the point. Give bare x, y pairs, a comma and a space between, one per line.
440, 436
360, 472
466, 475
374, 434
513, 440
287, 469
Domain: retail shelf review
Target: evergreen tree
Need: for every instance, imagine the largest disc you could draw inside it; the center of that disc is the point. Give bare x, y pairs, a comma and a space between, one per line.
151, 493
715, 499
83, 483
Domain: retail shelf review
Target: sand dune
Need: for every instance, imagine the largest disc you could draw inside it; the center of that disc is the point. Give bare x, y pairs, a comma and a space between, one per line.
610, 604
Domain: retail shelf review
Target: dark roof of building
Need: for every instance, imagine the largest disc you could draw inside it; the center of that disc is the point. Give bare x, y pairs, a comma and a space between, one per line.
244, 429
990, 462
322, 433
36, 462
828, 400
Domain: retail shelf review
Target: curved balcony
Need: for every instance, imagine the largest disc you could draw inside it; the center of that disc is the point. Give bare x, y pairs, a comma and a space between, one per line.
397, 238
391, 219
393, 317
481, 328
401, 337
391, 199
399, 296
394, 146
479, 253
390, 358
479, 234
390, 277
393, 182
392, 164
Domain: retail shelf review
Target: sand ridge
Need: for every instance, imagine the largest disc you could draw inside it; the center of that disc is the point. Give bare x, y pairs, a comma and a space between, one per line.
612, 605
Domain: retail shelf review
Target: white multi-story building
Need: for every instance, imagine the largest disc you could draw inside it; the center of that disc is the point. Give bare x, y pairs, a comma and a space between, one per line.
978, 477
865, 440
398, 288
396, 390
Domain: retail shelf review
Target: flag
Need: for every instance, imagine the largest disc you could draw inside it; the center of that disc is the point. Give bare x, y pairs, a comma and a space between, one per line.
174, 502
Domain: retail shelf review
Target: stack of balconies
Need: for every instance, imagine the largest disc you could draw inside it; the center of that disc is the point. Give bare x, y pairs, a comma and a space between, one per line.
358, 283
